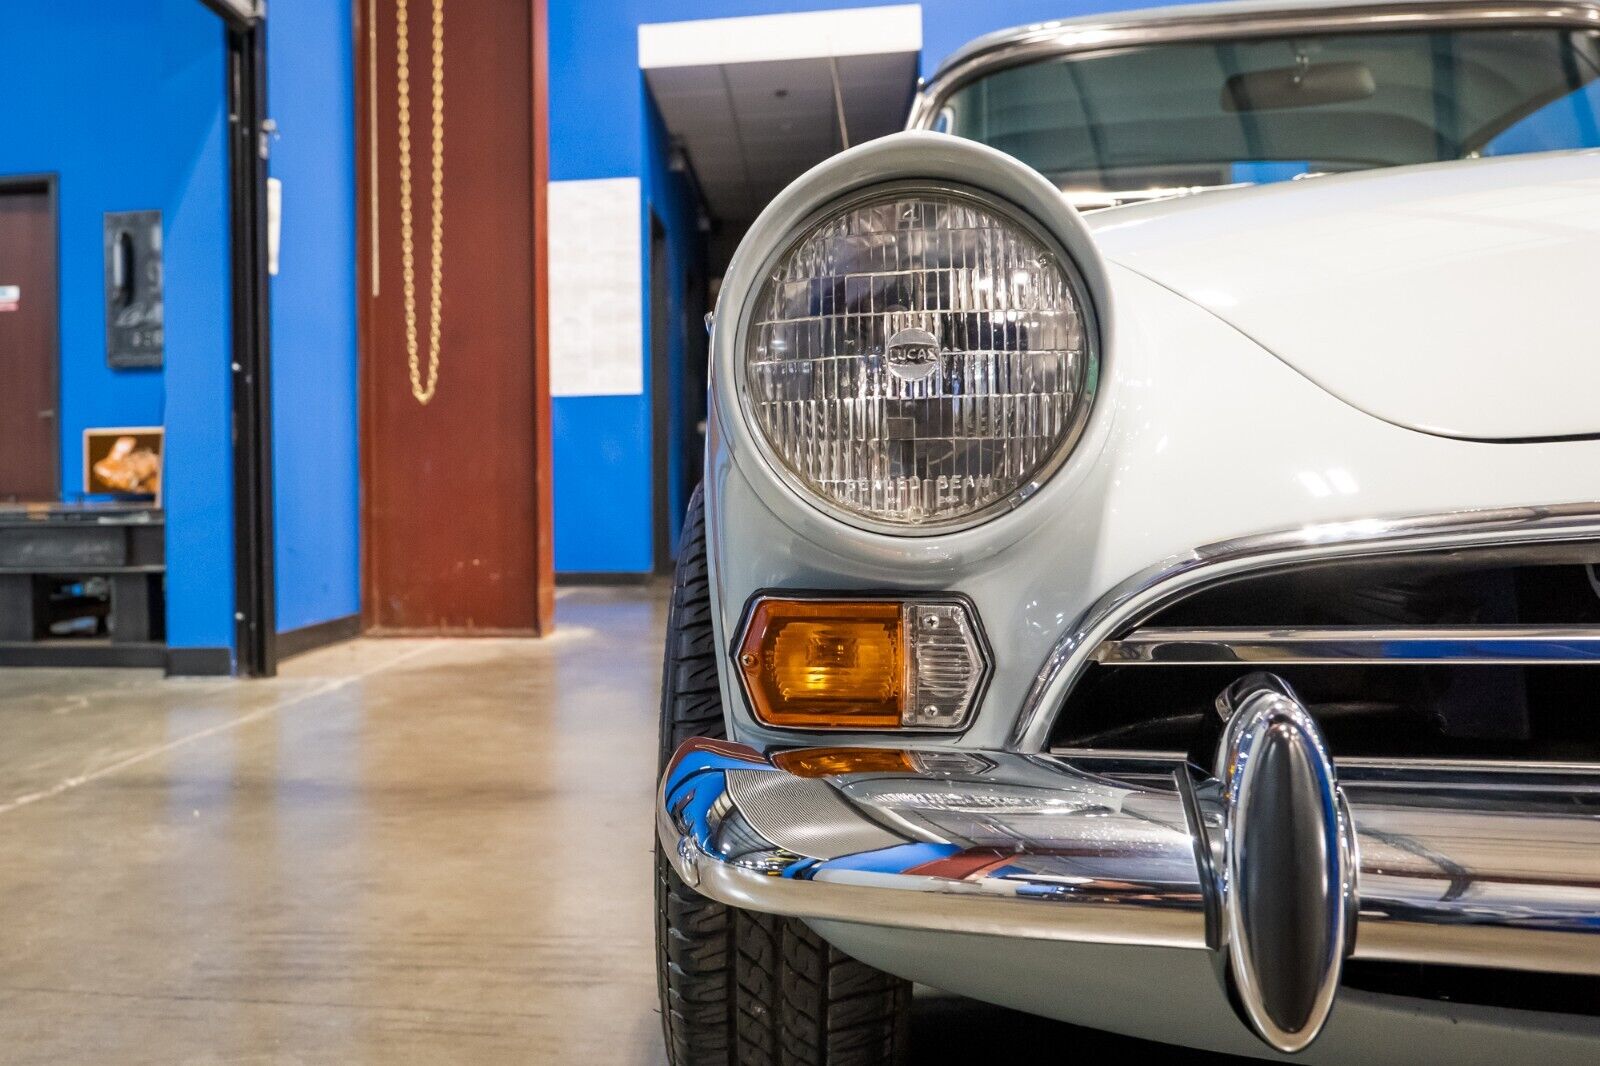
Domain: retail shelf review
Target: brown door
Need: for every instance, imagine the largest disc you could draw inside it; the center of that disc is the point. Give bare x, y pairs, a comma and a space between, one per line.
30, 446
452, 404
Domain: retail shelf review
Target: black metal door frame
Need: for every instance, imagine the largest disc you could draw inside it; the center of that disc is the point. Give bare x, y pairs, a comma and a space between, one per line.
255, 608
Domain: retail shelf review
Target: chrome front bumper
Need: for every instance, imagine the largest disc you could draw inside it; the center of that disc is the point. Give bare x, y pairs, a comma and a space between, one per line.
1267, 861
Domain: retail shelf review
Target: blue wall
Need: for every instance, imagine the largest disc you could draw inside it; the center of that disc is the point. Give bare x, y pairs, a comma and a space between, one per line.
77, 66
604, 498
84, 83
199, 418
314, 437
603, 125
1570, 121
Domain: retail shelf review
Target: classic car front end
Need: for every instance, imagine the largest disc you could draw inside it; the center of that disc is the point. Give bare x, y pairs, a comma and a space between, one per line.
1182, 619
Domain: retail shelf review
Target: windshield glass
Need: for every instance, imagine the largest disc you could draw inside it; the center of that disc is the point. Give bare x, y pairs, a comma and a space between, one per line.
1167, 118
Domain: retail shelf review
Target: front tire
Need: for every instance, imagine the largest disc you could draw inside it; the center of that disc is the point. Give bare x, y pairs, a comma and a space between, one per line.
739, 988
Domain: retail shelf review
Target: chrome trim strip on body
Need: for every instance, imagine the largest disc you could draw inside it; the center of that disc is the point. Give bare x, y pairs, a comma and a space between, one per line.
1477, 873
1372, 771
1107, 33
1514, 645
1141, 595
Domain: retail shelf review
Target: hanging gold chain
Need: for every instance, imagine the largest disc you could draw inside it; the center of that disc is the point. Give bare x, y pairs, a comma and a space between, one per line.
423, 391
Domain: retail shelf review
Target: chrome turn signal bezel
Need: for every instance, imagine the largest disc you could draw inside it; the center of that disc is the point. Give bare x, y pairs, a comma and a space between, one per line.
907, 602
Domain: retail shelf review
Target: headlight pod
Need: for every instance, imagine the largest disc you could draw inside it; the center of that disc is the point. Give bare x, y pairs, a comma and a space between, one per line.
917, 354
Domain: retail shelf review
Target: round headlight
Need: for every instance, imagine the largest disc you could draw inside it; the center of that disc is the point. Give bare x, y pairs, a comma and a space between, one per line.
919, 358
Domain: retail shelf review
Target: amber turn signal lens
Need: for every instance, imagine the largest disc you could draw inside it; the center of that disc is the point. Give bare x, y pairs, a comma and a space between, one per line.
825, 664
917, 663
831, 762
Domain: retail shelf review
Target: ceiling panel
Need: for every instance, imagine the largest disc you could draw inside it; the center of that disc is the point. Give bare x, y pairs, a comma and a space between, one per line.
751, 127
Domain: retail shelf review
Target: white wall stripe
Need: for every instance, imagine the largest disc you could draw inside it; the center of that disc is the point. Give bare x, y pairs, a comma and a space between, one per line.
596, 306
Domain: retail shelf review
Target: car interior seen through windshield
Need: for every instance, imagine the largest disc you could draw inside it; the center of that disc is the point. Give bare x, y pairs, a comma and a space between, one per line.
1142, 121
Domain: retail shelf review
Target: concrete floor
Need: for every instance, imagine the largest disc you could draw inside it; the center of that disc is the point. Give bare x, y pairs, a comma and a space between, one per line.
398, 851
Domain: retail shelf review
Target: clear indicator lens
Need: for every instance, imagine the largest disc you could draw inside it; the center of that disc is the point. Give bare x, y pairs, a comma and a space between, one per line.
946, 666
918, 358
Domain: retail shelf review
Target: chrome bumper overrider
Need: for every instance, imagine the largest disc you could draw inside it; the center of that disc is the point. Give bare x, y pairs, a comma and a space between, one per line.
1262, 858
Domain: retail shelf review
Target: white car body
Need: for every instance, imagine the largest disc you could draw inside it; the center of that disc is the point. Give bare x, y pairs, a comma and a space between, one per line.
1393, 289
1347, 366
1238, 404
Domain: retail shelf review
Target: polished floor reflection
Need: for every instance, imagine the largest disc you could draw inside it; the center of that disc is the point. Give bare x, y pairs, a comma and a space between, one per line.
397, 851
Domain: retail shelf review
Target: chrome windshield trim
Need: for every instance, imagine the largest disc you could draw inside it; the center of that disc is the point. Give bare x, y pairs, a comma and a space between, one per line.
1468, 645
1144, 593
1166, 25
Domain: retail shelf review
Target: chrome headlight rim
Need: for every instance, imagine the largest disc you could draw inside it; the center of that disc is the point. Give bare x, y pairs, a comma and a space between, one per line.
928, 158
1012, 214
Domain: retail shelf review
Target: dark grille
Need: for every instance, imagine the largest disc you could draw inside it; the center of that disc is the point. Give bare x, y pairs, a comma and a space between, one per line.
1551, 993
1399, 693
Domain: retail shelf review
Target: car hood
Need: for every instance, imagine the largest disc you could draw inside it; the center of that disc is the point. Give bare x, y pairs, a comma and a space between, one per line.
1461, 299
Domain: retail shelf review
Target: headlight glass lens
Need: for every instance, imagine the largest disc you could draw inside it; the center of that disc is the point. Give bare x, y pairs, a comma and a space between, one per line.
919, 358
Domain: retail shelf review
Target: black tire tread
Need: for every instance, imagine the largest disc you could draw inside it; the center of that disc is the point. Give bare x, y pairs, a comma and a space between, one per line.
691, 696
837, 1011
758, 943
739, 988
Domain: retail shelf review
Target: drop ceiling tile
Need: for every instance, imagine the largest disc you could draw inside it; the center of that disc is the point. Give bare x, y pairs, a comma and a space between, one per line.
751, 127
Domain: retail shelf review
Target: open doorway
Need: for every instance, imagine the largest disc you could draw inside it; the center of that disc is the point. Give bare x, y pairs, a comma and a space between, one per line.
745, 105
678, 373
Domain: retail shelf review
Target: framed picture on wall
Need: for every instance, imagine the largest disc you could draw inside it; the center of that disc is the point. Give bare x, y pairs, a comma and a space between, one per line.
123, 461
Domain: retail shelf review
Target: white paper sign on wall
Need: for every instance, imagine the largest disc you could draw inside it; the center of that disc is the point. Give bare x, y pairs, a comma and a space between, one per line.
10, 297
596, 307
